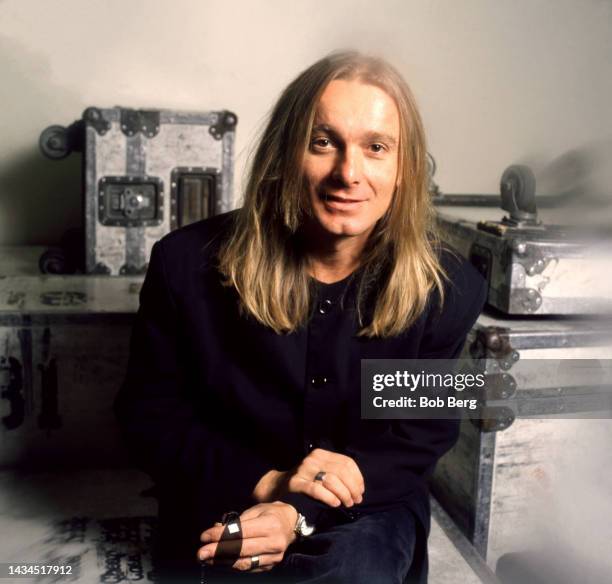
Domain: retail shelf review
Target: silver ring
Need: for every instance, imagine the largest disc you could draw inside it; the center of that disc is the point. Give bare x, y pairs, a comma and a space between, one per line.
254, 562
320, 476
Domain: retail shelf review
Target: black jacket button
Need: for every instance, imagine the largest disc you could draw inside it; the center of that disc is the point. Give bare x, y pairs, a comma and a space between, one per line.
318, 381
325, 306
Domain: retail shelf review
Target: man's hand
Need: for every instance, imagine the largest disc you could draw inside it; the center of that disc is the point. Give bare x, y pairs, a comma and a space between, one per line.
267, 531
342, 485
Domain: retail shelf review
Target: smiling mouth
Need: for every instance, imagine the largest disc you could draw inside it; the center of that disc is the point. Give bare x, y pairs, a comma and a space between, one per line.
328, 198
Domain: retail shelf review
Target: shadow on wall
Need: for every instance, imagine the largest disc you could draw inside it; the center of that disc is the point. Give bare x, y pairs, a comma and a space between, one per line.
43, 198
582, 179
39, 199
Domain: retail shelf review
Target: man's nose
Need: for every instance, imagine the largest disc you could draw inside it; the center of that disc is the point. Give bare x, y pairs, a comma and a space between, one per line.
349, 167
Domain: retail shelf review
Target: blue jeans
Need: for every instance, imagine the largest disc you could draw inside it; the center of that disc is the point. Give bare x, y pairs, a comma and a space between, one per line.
376, 548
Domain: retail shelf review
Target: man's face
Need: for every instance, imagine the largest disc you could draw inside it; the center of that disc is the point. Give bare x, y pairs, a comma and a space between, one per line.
351, 164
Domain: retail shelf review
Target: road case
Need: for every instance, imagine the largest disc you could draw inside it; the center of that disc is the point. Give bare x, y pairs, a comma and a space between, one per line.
145, 173
64, 344
553, 260
534, 472
529, 272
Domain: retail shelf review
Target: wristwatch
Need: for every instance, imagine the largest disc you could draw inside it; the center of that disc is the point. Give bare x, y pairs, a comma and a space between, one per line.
302, 529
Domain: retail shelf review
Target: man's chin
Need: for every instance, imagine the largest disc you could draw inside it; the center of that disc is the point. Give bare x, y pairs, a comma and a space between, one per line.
345, 229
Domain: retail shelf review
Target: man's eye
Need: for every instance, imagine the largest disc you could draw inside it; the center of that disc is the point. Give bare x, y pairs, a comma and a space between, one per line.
321, 142
377, 148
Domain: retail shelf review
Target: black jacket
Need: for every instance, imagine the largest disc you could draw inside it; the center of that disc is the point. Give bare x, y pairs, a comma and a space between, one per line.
212, 400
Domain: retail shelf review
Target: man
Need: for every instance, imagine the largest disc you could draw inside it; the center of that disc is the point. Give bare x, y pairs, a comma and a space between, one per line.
243, 387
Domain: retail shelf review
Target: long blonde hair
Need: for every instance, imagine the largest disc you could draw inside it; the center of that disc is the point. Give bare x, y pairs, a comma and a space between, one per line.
262, 258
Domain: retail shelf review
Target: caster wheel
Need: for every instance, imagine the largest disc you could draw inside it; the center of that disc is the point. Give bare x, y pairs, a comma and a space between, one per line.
53, 142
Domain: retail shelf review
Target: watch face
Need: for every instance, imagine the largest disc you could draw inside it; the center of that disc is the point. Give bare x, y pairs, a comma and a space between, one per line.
303, 528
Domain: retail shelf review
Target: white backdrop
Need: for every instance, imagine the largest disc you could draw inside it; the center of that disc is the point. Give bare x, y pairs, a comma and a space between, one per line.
497, 82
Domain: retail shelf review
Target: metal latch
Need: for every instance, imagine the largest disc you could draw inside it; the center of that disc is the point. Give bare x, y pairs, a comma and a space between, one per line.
135, 121
130, 201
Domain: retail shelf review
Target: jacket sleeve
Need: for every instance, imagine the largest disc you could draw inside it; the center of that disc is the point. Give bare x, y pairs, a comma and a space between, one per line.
163, 432
397, 456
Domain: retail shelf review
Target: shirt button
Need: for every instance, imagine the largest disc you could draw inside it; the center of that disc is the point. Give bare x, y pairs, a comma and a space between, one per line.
325, 306
311, 447
318, 381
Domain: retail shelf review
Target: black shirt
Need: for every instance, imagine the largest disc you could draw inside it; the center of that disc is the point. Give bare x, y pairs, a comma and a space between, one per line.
212, 399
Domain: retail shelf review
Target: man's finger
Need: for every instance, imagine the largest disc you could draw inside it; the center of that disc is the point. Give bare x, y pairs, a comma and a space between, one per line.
357, 474
250, 547
251, 525
212, 533
266, 561
342, 465
350, 478
315, 490
344, 474
333, 483
346, 466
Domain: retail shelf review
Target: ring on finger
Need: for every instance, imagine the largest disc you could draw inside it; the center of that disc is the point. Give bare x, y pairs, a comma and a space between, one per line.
320, 476
254, 562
